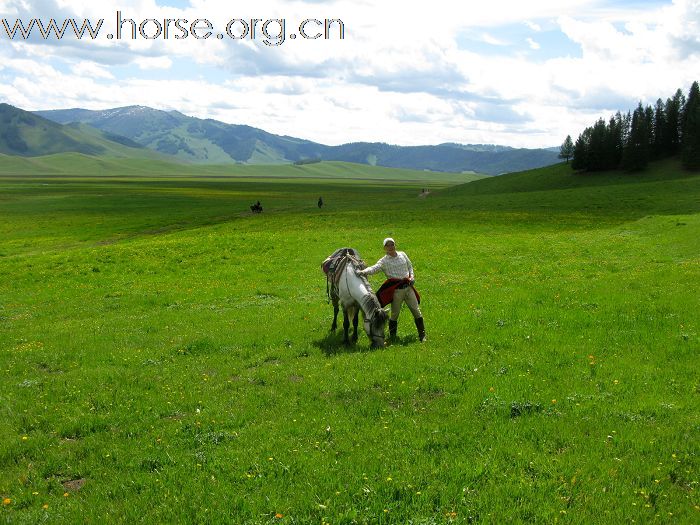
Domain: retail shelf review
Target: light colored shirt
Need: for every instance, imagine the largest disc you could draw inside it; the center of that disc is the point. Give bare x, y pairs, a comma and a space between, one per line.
398, 267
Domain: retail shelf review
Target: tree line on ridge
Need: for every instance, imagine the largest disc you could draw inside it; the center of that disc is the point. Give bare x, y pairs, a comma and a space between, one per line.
629, 142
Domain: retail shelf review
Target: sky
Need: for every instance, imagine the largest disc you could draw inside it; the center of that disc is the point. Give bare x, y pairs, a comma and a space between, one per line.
509, 72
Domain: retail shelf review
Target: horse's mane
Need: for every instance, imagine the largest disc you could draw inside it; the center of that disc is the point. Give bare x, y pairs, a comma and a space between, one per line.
370, 300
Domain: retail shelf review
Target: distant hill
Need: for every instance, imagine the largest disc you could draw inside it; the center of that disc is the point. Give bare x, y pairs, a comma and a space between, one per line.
28, 135
210, 141
87, 166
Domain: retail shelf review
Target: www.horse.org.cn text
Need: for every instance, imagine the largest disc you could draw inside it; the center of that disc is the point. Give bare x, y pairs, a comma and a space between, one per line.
270, 31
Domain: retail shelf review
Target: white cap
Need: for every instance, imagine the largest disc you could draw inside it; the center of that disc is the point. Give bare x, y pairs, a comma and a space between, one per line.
388, 239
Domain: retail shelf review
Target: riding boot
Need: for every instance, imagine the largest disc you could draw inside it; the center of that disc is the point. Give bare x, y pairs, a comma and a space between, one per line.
393, 325
421, 329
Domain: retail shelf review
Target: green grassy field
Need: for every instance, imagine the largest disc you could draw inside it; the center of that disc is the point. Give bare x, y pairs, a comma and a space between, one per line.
165, 354
82, 167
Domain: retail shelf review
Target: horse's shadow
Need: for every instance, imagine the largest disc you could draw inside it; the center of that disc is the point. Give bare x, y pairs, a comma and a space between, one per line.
332, 344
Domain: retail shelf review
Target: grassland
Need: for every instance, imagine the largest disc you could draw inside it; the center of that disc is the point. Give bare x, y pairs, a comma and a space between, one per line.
165, 355
84, 167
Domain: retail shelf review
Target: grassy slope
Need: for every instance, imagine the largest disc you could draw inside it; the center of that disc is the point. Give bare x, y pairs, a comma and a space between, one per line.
171, 349
30, 135
84, 165
203, 149
560, 176
106, 145
665, 189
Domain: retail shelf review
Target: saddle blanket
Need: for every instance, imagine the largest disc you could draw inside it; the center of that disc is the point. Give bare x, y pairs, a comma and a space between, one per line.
385, 294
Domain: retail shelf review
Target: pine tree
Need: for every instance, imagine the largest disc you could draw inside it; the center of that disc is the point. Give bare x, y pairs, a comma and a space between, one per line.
660, 125
615, 141
649, 124
673, 123
690, 152
626, 127
597, 149
631, 140
635, 156
566, 151
580, 160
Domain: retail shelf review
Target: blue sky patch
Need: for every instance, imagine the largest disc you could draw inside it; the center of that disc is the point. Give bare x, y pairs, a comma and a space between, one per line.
179, 4
516, 39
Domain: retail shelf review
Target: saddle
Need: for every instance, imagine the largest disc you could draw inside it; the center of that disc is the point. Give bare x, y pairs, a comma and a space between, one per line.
333, 265
330, 264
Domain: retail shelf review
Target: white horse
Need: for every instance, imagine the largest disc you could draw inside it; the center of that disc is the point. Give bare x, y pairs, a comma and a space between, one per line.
354, 293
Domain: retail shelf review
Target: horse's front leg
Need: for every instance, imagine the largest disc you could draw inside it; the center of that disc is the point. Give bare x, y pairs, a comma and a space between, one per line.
335, 316
354, 325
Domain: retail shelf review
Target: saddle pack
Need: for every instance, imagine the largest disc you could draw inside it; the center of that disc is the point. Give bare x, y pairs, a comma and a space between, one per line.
331, 266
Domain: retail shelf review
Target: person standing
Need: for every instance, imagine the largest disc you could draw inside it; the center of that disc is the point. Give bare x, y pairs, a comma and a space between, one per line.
398, 288
320, 203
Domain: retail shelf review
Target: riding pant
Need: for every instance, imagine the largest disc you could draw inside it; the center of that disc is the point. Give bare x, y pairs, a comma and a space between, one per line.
407, 295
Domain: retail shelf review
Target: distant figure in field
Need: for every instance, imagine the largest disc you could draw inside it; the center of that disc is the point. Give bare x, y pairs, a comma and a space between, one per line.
256, 208
398, 288
320, 203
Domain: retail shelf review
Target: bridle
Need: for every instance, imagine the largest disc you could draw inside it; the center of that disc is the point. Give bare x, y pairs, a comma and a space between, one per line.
371, 303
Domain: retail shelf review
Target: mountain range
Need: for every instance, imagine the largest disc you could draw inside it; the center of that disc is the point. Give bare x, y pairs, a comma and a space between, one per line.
25, 134
142, 131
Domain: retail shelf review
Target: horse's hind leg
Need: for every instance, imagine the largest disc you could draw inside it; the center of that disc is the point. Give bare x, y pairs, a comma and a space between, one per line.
346, 327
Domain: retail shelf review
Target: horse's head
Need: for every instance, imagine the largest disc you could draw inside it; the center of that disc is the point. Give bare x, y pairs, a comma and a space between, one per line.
375, 328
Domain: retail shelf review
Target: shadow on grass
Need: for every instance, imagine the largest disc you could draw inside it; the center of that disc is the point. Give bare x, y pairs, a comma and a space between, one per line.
408, 340
332, 344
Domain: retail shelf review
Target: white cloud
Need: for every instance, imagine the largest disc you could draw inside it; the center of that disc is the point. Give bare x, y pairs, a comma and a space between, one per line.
399, 76
640, 59
85, 68
32, 69
492, 40
8, 7
151, 63
683, 22
533, 45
